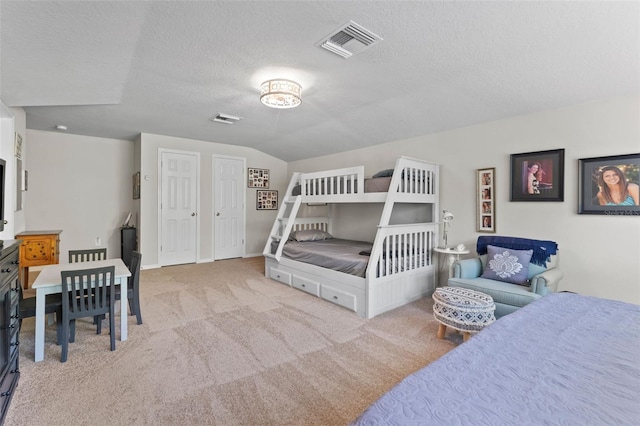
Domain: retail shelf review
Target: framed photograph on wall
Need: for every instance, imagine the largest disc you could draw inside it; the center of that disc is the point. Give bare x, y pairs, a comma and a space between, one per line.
258, 178
537, 176
18, 146
609, 185
136, 185
266, 200
486, 201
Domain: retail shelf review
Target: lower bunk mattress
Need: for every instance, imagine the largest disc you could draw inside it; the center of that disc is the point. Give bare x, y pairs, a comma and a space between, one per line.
563, 359
332, 253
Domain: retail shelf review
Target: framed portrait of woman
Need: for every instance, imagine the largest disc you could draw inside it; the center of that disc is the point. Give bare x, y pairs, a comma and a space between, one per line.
610, 185
537, 176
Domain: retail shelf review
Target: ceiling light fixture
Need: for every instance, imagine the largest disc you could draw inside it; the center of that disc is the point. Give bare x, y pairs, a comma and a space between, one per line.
61, 127
280, 93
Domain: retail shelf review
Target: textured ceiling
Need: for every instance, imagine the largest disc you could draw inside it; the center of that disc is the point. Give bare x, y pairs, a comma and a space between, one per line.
117, 69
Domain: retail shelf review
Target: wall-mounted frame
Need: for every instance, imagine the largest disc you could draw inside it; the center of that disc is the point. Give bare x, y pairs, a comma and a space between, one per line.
266, 200
609, 185
136, 185
18, 146
537, 176
258, 178
486, 200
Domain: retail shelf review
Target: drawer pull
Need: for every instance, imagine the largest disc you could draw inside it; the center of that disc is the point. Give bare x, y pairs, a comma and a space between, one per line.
335, 297
5, 393
6, 270
303, 285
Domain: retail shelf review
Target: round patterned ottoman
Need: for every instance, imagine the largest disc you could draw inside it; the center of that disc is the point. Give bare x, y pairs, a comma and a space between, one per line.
462, 309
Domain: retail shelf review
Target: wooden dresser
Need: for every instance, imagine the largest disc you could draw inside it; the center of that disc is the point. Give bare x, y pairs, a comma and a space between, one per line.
38, 248
9, 324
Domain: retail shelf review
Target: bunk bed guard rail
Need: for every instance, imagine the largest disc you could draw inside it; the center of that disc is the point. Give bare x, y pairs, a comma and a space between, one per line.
402, 248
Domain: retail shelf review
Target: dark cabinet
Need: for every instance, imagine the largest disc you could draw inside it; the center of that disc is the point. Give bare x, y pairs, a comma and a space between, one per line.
9, 322
128, 242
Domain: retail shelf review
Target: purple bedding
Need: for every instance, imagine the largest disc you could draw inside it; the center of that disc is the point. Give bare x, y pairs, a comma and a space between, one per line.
564, 359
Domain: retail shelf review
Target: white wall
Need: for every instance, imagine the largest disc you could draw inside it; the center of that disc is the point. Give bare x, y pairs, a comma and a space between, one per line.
258, 223
81, 185
600, 255
70, 175
12, 120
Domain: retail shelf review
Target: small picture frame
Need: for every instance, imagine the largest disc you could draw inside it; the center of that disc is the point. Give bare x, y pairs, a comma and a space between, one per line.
266, 200
136, 185
486, 200
609, 185
18, 146
537, 176
258, 178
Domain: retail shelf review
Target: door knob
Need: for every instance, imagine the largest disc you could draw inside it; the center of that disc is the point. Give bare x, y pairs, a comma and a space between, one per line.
193, 214
218, 214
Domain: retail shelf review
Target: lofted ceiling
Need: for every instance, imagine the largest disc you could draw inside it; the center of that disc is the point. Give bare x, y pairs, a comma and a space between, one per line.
116, 69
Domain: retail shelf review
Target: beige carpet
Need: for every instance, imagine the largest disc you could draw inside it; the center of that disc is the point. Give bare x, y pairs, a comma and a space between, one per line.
223, 345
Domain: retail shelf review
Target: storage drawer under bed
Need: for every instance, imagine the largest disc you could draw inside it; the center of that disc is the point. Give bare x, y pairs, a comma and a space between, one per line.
306, 285
338, 297
278, 275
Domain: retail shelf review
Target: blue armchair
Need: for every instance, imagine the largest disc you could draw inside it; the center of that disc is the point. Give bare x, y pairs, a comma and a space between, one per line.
513, 271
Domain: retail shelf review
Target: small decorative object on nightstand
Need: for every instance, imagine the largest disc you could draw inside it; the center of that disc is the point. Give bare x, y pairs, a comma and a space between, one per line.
447, 217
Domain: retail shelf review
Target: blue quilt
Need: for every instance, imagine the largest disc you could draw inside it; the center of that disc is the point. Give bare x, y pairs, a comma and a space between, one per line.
564, 359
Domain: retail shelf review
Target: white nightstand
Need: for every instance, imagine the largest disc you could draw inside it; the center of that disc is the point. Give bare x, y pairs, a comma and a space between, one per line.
454, 255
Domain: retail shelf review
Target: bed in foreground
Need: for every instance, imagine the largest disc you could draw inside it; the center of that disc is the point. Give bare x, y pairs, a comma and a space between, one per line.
564, 359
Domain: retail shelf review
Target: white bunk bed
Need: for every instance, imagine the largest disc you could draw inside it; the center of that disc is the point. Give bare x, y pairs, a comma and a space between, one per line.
401, 267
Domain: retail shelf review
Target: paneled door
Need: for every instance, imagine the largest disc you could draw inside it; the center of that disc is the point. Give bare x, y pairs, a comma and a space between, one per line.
229, 207
178, 208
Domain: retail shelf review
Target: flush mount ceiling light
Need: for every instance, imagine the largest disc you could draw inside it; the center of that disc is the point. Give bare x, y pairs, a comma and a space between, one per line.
280, 93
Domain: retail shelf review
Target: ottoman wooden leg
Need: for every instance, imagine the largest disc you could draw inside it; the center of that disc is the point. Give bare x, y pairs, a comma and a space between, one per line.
465, 336
441, 329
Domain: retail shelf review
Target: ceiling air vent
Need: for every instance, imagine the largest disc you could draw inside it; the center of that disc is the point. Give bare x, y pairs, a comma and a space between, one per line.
349, 40
225, 118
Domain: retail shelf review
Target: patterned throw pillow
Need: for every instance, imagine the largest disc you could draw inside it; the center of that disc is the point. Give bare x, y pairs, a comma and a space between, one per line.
507, 265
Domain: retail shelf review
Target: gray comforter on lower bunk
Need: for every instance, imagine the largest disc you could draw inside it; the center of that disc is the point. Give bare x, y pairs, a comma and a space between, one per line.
564, 359
333, 253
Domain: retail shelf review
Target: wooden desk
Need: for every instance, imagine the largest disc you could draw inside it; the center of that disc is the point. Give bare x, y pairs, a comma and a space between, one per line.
38, 248
49, 281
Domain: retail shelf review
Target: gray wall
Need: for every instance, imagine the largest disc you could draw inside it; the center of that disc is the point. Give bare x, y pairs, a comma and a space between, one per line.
83, 186
598, 254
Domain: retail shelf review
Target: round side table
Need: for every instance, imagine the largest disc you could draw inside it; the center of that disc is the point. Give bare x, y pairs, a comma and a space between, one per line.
454, 255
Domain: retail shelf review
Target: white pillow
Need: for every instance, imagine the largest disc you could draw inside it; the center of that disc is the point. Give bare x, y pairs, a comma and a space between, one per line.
310, 235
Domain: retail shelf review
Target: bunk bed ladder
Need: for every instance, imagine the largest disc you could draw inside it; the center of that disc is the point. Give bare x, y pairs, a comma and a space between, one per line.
284, 222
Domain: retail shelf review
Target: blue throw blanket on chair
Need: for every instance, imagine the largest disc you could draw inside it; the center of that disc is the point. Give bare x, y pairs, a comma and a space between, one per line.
542, 250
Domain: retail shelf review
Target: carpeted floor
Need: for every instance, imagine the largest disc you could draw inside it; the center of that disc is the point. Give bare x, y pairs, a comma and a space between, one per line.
223, 345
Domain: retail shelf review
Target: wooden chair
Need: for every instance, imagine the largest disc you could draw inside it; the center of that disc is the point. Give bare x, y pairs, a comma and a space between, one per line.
77, 302
53, 305
133, 288
87, 255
